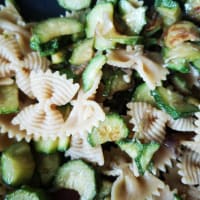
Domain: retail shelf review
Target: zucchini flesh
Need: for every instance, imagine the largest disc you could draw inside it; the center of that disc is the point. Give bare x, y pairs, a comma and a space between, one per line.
74, 4
9, 102
133, 17
51, 146
92, 70
17, 164
169, 10
82, 52
114, 81
54, 27
143, 94
113, 128
26, 193
106, 36
140, 153
144, 159
173, 103
79, 176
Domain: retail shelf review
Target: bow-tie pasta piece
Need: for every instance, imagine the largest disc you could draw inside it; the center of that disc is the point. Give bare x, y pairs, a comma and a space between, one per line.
182, 124
32, 62
149, 122
43, 119
52, 87
10, 50
13, 131
129, 187
80, 148
6, 68
86, 113
189, 168
151, 72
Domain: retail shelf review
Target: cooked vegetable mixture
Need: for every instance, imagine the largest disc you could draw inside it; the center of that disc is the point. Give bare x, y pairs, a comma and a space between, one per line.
102, 102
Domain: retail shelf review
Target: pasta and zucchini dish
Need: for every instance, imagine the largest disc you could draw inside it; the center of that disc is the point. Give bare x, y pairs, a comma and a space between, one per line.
103, 100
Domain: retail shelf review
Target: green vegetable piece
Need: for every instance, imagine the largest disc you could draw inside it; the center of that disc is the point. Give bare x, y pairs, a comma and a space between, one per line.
143, 161
196, 64
26, 193
74, 4
51, 146
177, 197
92, 70
133, 17
105, 190
82, 52
173, 103
113, 128
47, 166
140, 153
143, 94
79, 176
179, 57
181, 32
46, 146
17, 164
192, 9
180, 84
114, 81
49, 29
133, 148
9, 100
97, 26
58, 57
169, 10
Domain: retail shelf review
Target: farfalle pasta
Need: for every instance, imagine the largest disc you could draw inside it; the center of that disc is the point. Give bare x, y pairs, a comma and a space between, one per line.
81, 149
151, 72
148, 122
50, 89
81, 95
86, 113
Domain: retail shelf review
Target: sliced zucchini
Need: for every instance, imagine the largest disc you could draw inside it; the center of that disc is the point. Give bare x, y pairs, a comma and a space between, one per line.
143, 161
47, 166
105, 36
140, 153
26, 193
196, 64
51, 146
17, 164
134, 18
113, 128
132, 147
179, 64
79, 176
105, 190
179, 57
74, 4
82, 52
180, 84
169, 10
177, 197
173, 103
92, 70
143, 94
192, 9
114, 81
9, 101
49, 29
46, 146
58, 57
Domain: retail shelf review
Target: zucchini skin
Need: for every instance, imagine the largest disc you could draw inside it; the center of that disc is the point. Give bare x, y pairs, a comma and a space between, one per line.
51, 28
